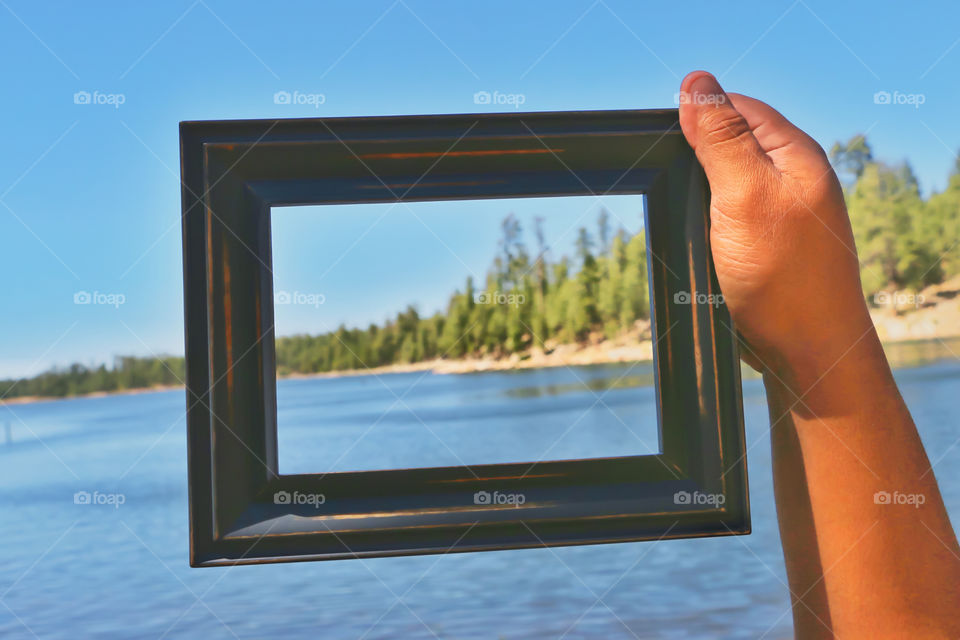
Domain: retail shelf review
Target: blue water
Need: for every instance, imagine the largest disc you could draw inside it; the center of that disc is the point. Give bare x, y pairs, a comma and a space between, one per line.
423, 420
120, 571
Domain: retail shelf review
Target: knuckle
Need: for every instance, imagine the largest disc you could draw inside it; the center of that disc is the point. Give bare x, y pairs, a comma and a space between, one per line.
818, 152
826, 193
721, 126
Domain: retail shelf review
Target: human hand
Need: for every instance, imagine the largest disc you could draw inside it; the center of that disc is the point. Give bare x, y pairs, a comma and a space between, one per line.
780, 236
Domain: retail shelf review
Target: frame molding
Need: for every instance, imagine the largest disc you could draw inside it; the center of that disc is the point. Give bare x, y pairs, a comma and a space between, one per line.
233, 172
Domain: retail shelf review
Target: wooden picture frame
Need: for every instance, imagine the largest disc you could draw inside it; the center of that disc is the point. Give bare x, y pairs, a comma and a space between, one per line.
233, 172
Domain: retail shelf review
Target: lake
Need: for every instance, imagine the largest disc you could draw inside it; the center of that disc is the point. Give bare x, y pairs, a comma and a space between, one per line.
119, 569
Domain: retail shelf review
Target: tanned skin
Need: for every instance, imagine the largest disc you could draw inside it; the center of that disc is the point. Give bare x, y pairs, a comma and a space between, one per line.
860, 565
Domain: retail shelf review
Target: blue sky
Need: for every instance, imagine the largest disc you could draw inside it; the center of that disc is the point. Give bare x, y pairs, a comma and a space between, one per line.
356, 264
89, 197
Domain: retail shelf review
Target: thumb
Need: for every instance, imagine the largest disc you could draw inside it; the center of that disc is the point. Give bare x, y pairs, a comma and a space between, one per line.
718, 133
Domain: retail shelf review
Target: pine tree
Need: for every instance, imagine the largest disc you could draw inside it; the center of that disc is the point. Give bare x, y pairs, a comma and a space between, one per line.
849, 159
941, 227
883, 206
634, 304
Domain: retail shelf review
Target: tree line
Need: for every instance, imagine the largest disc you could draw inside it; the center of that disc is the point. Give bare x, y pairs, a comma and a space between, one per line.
531, 300
526, 301
127, 372
904, 242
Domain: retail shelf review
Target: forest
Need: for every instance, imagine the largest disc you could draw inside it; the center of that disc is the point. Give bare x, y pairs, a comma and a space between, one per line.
526, 301
531, 299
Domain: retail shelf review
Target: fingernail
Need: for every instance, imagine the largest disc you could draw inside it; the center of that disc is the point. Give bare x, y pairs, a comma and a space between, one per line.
705, 90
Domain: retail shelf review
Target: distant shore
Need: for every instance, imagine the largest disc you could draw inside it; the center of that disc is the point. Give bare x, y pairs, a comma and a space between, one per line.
94, 394
632, 346
931, 315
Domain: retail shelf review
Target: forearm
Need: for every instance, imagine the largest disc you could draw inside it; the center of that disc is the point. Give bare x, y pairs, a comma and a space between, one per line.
785, 258
843, 441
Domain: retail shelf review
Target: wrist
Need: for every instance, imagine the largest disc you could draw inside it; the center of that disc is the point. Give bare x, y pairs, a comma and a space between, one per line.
821, 375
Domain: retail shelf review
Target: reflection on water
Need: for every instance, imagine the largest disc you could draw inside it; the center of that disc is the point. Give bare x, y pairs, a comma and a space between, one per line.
919, 352
427, 420
599, 385
903, 355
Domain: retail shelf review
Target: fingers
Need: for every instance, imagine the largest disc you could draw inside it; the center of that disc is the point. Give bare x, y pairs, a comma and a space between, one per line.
788, 147
721, 136
769, 126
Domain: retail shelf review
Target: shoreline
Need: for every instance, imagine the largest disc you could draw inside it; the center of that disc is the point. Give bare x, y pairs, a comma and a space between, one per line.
933, 315
570, 355
93, 394
623, 349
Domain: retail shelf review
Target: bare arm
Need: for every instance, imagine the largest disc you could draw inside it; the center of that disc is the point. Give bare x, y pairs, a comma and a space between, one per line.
869, 549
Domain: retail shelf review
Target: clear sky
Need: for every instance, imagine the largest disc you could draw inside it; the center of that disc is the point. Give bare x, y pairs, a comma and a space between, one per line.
89, 197
356, 264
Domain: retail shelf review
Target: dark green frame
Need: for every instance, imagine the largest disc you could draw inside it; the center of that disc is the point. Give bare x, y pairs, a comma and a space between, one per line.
233, 172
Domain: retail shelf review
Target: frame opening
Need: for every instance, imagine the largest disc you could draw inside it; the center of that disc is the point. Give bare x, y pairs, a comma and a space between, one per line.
462, 333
